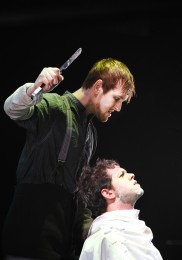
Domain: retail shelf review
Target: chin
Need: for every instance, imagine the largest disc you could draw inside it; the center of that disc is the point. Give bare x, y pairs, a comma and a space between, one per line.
104, 119
139, 192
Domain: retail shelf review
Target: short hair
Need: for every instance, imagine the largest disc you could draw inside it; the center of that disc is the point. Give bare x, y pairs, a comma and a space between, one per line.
92, 181
111, 71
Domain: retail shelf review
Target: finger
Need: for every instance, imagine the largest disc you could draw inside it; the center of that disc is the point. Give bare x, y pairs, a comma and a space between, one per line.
53, 76
48, 78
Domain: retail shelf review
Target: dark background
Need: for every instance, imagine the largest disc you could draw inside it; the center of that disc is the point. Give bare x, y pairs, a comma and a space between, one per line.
145, 137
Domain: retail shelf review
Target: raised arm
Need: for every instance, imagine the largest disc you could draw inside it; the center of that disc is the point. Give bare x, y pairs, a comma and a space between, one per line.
19, 105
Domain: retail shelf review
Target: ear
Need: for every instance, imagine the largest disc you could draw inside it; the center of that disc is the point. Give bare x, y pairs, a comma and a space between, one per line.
98, 86
108, 194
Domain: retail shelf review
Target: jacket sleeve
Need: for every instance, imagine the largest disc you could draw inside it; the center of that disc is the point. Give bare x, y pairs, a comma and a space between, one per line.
19, 106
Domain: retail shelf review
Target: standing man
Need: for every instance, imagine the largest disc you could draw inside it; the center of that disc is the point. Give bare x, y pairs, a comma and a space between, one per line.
60, 139
116, 232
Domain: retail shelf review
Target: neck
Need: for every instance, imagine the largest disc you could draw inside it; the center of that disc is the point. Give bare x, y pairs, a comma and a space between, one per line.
120, 206
84, 96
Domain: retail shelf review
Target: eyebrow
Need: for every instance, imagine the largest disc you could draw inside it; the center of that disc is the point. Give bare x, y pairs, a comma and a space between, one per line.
124, 98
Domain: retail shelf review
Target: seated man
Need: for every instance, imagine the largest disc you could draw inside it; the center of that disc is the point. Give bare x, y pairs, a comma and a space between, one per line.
117, 232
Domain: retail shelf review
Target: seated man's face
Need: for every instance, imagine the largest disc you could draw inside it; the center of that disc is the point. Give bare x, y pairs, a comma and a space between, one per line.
124, 185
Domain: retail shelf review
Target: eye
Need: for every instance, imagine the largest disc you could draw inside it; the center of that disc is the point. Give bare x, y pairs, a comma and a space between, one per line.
117, 98
122, 174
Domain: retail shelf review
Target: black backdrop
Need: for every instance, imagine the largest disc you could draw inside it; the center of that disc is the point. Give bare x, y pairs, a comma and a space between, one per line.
145, 137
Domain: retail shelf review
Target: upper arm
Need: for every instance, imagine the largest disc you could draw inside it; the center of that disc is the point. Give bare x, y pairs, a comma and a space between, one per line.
113, 247
105, 246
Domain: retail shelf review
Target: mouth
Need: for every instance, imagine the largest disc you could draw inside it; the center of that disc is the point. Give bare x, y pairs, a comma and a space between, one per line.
109, 112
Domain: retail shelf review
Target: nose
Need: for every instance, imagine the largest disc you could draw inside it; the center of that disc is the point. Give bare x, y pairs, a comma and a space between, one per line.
118, 106
132, 176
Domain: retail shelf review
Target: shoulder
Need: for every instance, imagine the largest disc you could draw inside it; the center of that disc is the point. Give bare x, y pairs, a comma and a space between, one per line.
51, 108
104, 235
51, 101
53, 98
106, 244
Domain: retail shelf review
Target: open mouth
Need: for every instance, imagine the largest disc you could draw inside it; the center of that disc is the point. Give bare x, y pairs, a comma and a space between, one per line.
109, 112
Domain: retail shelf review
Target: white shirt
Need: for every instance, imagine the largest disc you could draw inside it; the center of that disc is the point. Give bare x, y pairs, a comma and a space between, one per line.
119, 235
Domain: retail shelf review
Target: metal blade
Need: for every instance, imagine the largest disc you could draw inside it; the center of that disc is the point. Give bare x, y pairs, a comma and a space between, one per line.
71, 59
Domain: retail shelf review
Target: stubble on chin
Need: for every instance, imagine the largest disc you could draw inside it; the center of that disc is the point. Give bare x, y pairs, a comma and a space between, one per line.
104, 118
139, 192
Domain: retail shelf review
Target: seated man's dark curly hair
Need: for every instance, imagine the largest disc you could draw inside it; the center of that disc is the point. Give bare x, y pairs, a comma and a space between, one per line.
92, 181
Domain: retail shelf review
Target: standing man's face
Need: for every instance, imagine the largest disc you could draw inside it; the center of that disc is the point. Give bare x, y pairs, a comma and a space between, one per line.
109, 102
